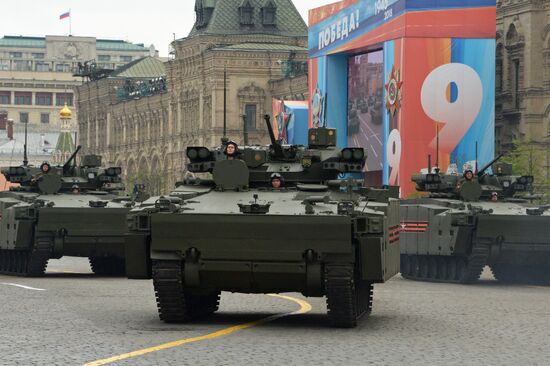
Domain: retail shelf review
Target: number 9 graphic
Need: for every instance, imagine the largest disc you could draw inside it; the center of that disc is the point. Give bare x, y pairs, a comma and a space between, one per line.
394, 155
459, 115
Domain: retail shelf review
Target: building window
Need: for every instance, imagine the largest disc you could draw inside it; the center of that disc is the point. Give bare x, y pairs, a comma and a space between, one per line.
4, 65
269, 14
104, 58
22, 98
515, 81
250, 112
43, 99
62, 68
246, 13
24, 117
38, 56
106, 66
42, 67
499, 77
125, 58
62, 98
5, 97
22, 65
16, 54
44, 118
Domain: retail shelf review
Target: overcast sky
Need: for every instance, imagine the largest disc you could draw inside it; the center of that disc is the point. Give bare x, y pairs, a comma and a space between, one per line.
152, 22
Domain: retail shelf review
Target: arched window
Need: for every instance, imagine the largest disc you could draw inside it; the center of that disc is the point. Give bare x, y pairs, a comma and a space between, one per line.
512, 34
246, 12
499, 68
269, 13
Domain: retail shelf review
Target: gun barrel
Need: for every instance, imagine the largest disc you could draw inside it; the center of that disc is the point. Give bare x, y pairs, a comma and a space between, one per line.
68, 162
484, 169
274, 143
270, 129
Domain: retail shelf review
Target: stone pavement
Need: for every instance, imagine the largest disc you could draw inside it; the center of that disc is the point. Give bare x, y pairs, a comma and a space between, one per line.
80, 318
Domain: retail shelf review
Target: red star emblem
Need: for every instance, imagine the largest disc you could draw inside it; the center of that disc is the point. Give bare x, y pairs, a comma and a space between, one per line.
393, 91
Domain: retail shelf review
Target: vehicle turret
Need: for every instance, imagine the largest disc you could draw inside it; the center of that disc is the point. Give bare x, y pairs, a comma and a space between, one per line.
319, 162
481, 186
50, 179
67, 209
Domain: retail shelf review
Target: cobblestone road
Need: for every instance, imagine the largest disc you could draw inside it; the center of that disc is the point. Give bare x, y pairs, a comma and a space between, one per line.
79, 318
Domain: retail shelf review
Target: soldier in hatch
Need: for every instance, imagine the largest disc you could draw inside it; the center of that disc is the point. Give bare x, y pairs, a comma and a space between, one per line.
45, 168
75, 189
231, 150
468, 176
277, 181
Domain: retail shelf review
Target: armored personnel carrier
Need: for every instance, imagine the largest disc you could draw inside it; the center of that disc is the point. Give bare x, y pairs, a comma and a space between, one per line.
63, 210
272, 219
472, 221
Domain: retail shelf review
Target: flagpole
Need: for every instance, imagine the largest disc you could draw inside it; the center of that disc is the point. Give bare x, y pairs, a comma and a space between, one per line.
70, 23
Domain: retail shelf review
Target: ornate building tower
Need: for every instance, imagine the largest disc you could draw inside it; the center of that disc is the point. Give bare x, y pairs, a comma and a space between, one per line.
247, 40
65, 144
143, 116
523, 73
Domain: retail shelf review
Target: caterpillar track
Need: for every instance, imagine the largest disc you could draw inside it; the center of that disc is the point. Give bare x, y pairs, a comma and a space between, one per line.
347, 298
108, 266
449, 269
29, 262
175, 303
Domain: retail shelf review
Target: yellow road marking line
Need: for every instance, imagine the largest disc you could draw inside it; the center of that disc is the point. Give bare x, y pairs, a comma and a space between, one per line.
305, 307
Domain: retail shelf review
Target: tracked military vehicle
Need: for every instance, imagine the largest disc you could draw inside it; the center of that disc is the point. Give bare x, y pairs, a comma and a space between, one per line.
236, 232
67, 210
472, 221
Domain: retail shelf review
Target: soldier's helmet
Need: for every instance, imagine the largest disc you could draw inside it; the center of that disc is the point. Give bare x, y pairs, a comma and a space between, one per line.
45, 167
468, 174
235, 150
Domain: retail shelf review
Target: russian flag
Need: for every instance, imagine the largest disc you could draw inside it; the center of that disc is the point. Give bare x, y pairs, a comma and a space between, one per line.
65, 15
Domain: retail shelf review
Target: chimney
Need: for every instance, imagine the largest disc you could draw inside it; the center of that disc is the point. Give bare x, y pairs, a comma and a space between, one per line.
10, 129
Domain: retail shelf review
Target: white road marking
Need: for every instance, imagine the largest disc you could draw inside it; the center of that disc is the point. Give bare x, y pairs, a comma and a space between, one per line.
22, 286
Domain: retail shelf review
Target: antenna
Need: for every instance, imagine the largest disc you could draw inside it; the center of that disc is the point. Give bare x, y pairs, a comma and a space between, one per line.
476, 159
25, 159
437, 147
224, 102
325, 110
75, 145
